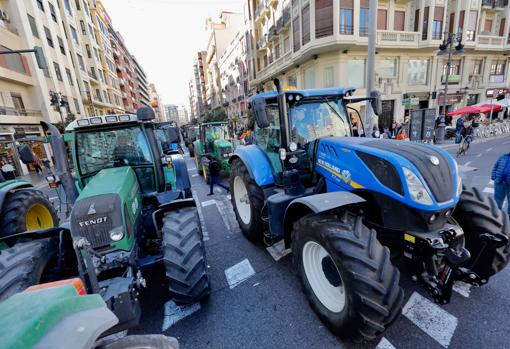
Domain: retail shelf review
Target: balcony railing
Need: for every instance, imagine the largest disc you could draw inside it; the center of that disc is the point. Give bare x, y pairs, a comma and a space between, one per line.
495, 3
19, 112
497, 79
347, 30
397, 38
286, 15
452, 79
488, 40
363, 31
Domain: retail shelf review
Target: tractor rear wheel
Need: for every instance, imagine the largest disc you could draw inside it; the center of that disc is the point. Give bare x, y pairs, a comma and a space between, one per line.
478, 214
247, 200
346, 275
23, 265
184, 256
26, 210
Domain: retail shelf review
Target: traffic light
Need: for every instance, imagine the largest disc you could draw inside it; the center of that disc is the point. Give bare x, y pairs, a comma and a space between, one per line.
39, 57
54, 99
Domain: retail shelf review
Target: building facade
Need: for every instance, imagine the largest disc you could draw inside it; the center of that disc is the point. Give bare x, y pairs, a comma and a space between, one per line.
323, 43
156, 103
177, 113
198, 87
141, 82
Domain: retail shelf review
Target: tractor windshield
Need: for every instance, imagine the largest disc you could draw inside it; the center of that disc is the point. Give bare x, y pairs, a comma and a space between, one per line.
97, 150
215, 132
310, 120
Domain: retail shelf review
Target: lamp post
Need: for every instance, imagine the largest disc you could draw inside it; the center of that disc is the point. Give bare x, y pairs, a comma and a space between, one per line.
449, 40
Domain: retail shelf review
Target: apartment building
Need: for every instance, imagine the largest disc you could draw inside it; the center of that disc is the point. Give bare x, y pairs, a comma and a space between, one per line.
141, 82
234, 78
156, 103
220, 35
323, 43
198, 87
124, 68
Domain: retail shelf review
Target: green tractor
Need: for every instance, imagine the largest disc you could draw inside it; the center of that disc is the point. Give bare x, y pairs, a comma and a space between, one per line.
191, 135
132, 208
214, 141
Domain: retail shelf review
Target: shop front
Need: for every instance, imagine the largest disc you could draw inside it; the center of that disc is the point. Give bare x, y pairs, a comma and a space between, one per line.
33, 137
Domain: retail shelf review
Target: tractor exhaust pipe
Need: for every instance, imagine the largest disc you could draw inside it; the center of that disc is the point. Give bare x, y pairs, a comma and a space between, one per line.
282, 110
61, 165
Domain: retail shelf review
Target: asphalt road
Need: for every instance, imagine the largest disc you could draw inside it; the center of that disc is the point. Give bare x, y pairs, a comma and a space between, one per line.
268, 309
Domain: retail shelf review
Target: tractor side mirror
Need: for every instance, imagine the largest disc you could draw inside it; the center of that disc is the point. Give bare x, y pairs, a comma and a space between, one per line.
145, 114
258, 106
376, 102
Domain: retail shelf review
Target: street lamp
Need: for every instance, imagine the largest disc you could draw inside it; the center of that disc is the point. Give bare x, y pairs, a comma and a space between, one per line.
450, 39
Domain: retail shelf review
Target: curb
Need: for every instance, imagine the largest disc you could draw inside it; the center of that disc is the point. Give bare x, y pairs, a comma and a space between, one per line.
476, 141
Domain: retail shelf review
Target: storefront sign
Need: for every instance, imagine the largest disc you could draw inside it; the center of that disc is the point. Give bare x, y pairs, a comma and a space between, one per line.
451, 78
421, 125
496, 92
450, 98
415, 101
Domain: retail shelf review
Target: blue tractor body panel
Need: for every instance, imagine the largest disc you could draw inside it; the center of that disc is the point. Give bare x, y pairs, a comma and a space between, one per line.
257, 163
339, 163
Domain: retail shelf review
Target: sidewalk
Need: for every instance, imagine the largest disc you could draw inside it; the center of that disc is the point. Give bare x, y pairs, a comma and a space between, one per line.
451, 142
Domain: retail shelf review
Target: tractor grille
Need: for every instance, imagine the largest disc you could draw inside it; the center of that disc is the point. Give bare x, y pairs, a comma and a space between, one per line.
94, 217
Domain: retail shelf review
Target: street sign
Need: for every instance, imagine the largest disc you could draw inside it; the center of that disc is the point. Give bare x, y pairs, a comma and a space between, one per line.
406, 102
415, 101
422, 124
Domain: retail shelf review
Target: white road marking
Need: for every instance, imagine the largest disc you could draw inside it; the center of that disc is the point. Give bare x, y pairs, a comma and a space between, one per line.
506, 142
467, 163
238, 273
489, 149
384, 344
479, 155
278, 251
466, 168
194, 175
491, 182
175, 313
488, 190
462, 288
433, 320
205, 233
208, 203
226, 221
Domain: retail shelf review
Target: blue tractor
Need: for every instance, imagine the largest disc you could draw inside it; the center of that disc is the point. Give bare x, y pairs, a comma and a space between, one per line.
350, 207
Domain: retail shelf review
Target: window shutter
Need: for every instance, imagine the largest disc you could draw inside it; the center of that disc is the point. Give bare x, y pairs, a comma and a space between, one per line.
461, 20
347, 4
502, 27
488, 25
364, 3
323, 18
400, 20
382, 18
296, 39
438, 13
416, 20
305, 22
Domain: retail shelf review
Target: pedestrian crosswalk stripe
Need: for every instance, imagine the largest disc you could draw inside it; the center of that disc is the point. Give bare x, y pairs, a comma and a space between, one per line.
429, 317
208, 203
384, 344
278, 251
238, 273
205, 233
462, 288
174, 313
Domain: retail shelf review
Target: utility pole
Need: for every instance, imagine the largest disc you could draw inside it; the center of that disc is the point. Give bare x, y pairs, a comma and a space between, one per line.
370, 70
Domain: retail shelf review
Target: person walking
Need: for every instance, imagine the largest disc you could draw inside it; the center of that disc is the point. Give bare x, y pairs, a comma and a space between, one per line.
214, 174
501, 177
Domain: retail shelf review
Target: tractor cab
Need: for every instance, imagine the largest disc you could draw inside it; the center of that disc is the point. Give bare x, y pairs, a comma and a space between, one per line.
169, 137
110, 141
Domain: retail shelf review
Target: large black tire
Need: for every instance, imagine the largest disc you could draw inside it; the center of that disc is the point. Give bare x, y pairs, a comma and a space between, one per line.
191, 150
477, 214
205, 170
23, 265
253, 226
373, 297
184, 256
16, 206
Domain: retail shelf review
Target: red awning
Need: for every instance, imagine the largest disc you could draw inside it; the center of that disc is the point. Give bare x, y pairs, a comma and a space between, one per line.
486, 108
471, 109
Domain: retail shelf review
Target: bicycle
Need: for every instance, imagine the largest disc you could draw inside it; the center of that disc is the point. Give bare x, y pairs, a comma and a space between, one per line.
464, 144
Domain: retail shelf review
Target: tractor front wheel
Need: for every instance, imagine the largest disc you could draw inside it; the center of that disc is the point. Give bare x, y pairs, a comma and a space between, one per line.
478, 215
184, 256
346, 275
26, 210
23, 265
247, 201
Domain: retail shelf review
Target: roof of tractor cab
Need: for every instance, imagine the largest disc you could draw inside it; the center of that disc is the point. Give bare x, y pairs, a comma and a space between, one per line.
101, 120
307, 93
214, 123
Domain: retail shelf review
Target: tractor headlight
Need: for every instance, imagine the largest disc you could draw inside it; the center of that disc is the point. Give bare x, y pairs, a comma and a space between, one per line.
292, 146
459, 180
116, 234
416, 188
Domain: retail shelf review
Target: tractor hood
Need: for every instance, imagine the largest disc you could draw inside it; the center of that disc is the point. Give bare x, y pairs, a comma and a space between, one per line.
221, 143
385, 166
110, 181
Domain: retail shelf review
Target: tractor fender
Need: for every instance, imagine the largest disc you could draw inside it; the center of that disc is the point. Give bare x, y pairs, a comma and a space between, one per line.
157, 215
316, 203
256, 161
16, 184
181, 173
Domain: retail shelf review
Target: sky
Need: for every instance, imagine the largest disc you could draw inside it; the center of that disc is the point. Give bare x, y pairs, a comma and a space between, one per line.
164, 36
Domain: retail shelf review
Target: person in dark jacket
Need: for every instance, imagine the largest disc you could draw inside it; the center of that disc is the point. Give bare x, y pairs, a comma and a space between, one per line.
501, 177
214, 174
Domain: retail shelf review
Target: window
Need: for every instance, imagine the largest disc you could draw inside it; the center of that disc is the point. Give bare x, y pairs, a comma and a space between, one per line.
79, 9
83, 28
96, 54
14, 61
382, 19
74, 34
416, 20
17, 101
498, 68
437, 25
329, 77
286, 44
80, 62
69, 77
346, 17
386, 68
77, 106
296, 34
67, 5
291, 81
91, 31
276, 52
417, 71
478, 66
356, 73
425, 26
33, 26
453, 73
471, 27
61, 45
52, 11
399, 21
87, 48
502, 27
309, 78
48, 36
487, 28
363, 21
323, 18
305, 24
40, 5
58, 73
86, 8
87, 86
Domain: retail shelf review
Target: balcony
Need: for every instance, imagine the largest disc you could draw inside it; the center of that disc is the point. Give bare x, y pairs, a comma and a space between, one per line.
387, 38
262, 10
497, 79
286, 16
490, 42
261, 43
452, 79
494, 4
272, 32
19, 112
